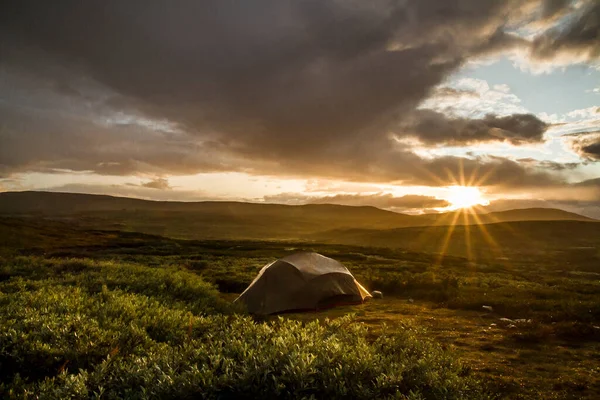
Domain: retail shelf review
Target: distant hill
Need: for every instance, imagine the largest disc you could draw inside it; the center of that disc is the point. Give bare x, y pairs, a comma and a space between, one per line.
211, 219
237, 220
498, 241
524, 214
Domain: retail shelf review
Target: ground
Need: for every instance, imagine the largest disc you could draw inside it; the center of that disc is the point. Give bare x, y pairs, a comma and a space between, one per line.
549, 348
553, 369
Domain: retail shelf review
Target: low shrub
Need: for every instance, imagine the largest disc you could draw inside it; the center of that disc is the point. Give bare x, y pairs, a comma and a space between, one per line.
126, 331
425, 286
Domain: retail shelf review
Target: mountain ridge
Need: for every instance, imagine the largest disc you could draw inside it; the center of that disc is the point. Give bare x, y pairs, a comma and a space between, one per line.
37, 201
239, 220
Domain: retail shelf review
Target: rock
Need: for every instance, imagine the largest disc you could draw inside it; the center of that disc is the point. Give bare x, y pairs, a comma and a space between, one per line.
522, 321
377, 294
506, 320
489, 308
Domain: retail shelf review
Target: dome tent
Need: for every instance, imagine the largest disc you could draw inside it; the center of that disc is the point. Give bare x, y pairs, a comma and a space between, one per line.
302, 281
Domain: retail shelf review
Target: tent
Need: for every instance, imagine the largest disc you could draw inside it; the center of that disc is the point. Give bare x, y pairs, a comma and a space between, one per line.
302, 281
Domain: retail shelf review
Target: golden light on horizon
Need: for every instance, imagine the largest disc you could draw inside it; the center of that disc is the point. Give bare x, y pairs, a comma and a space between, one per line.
465, 197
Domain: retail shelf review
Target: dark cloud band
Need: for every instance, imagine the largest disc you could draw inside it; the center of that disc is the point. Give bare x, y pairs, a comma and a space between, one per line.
288, 88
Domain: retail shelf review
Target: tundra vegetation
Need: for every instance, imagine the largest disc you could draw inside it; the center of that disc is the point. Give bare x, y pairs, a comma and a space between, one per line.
110, 314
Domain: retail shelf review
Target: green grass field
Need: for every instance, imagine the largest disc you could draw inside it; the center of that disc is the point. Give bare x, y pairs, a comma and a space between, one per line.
111, 314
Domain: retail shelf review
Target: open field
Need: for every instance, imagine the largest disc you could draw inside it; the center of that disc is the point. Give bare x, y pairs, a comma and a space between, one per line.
555, 355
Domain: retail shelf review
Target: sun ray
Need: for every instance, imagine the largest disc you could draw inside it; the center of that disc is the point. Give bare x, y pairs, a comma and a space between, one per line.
494, 247
461, 172
447, 238
484, 177
467, 229
473, 176
466, 201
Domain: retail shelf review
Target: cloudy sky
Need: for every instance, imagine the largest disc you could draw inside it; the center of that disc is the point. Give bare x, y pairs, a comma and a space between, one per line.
386, 103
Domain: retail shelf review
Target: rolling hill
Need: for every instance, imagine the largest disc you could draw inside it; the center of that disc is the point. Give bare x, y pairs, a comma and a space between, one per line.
238, 220
498, 241
197, 220
479, 217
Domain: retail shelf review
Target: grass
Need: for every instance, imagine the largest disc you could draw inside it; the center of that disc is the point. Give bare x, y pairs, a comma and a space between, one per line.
429, 301
107, 330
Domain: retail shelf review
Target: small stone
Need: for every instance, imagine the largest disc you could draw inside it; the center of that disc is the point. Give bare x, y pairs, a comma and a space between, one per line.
506, 320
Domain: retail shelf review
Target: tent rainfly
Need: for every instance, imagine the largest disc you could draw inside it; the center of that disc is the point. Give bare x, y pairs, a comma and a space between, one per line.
302, 281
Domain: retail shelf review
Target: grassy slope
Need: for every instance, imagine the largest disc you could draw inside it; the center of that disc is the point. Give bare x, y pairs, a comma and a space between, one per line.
541, 360
525, 214
565, 240
109, 328
201, 220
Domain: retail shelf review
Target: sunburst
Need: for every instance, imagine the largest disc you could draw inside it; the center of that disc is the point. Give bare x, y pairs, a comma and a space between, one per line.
466, 199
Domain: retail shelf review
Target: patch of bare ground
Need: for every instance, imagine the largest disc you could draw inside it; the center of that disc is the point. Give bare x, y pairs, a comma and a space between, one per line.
497, 351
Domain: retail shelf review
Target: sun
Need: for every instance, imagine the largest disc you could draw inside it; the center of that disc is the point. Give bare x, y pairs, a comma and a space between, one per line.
465, 197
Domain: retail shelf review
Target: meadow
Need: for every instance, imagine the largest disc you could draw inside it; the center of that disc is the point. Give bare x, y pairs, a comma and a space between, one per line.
111, 314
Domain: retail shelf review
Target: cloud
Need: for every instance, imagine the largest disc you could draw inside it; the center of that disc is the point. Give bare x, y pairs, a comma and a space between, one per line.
548, 165
553, 8
499, 172
286, 88
450, 92
470, 97
436, 128
45, 140
592, 150
579, 37
158, 183
388, 201
384, 200
586, 144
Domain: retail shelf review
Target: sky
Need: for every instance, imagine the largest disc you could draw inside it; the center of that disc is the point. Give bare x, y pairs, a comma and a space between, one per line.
395, 104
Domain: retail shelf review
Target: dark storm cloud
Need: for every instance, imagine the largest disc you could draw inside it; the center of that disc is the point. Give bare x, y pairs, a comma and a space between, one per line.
548, 165
553, 8
483, 171
302, 88
578, 36
592, 150
39, 141
587, 144
432, 127
499, 42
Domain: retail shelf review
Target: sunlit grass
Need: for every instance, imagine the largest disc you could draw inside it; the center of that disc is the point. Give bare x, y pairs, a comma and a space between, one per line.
117, 330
